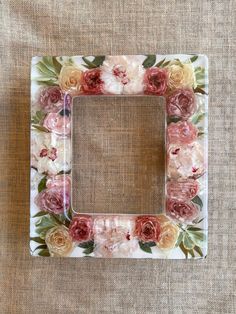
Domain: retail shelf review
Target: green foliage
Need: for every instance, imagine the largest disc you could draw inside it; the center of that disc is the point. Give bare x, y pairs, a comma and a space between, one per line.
97, 61
42, 184
146, 246
149, 61
87, 246
197, 200
49, 69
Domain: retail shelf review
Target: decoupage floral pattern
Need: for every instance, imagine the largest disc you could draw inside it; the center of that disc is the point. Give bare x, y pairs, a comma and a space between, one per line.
58, 230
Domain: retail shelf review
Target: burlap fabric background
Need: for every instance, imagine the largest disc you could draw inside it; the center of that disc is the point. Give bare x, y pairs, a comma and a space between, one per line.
53, 285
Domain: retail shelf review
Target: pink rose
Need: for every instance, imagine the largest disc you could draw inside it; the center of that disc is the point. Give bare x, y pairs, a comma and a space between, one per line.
186, 161
182, 189
180, 211
54, 200
60, 180
57, 123
81, 228
51, 99
181, 103
181, 132
155, 81
91, 82
147, 228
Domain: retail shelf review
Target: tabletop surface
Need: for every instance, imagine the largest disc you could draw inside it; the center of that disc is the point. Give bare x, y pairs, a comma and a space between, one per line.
54, 285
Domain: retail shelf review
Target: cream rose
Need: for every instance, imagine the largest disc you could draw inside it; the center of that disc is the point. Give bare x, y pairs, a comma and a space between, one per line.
70, 79
59, 241
168, 236
180, 75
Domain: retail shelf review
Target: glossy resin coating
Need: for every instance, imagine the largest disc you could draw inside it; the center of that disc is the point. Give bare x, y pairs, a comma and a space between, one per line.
119, 156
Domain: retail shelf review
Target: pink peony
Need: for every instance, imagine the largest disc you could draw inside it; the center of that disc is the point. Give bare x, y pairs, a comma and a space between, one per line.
147, 228
60, 180
183, 212
155, 81
57, 123
51, 99
186, 161
181, 103
181, 132
55, 200
182, 189
81, 228
91, 82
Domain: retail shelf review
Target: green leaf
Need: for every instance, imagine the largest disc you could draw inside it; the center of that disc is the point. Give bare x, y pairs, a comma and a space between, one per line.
45, 70
188, 242
44, 224
42, 184
97, 61
38, 240
173, 119
179, 240
191, 228
199, 90
198, 222
159, 64
42, 246
145, 247
89, 250
165, 64
57, 65
38, 117
85, 245
46, 81
40, 214
198, 250
191, 252
193, 59
197, 237
44, 252
183, 249
197, 201
149, 61
197, 118
40, 128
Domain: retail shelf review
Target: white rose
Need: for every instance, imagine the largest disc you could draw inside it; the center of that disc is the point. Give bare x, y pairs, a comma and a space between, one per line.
123, 74
50, 153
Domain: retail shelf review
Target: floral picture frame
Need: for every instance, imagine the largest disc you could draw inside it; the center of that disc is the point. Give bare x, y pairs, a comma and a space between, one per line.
180, 231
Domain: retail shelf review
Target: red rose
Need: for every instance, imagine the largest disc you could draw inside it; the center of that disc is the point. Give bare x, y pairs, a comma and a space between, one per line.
182, 189
181, 132
81, 228
183, 212
181, 103
51, 99
91, 82
147, 228
155, 81
54, 200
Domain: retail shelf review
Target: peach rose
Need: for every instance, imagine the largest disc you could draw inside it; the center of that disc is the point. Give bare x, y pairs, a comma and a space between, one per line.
181, 132
186, 161
168, 236
57, 123
58, 241
182, 189
180, 75
70, 79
